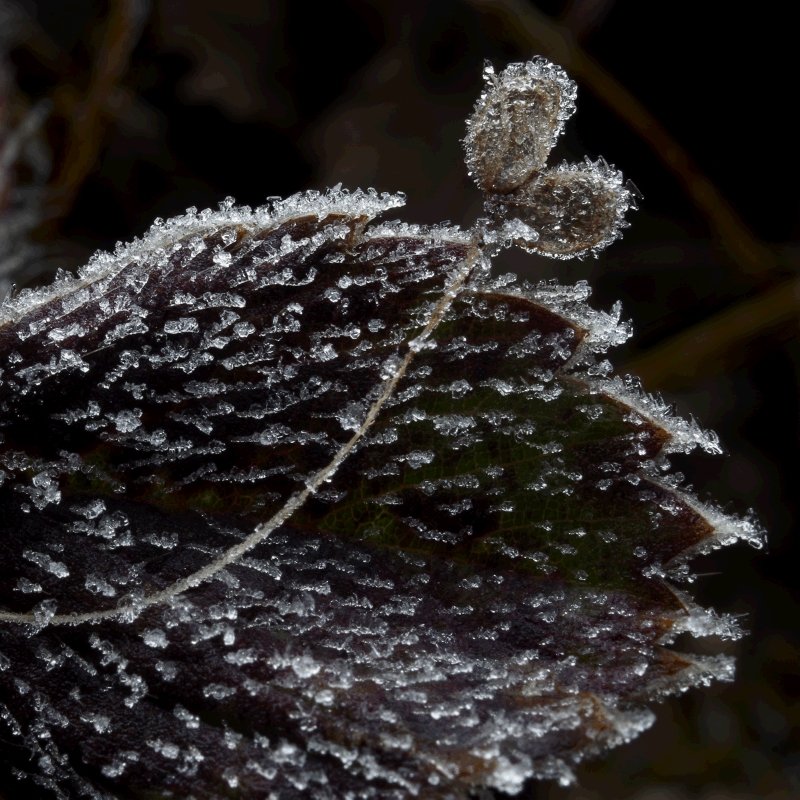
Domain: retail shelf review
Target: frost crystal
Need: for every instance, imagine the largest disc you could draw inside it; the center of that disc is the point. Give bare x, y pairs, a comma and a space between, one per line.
296, 505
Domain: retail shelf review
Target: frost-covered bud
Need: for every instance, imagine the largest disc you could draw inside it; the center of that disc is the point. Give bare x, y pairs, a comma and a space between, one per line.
575, 209
516, 122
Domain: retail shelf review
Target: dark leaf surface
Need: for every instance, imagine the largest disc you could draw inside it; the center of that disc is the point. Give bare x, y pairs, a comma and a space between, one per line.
296, 504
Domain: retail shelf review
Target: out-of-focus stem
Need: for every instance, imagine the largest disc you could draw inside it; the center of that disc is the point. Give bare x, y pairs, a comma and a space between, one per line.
707, 347
83, 143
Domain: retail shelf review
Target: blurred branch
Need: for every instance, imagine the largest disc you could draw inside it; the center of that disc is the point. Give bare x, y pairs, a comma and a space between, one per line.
84, 137
705, 348
534, 30
580, 17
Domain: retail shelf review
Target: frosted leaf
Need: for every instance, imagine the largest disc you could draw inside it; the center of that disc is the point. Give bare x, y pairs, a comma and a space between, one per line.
516, 122
300, 505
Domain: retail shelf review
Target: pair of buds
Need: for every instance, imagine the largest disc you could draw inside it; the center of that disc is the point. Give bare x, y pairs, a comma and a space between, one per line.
561, 212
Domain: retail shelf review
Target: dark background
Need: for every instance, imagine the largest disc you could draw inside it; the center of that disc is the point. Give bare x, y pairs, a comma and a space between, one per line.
157, 106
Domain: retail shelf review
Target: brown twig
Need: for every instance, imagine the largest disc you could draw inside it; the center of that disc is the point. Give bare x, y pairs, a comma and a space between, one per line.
86, 124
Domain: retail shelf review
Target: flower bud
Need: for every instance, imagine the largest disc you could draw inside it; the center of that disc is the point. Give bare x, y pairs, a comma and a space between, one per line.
516, 122
575, 209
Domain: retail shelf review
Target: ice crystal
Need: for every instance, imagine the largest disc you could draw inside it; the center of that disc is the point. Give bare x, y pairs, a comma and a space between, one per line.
299, 505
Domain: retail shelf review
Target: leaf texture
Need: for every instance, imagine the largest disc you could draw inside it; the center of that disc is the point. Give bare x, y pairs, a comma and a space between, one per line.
301, 505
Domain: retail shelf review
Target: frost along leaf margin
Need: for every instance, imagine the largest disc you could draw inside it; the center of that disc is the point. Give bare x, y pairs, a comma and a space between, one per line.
301, 504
